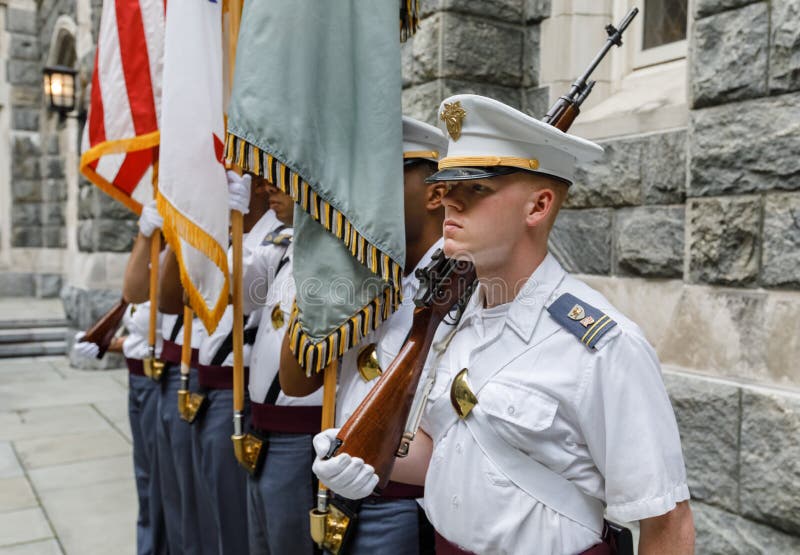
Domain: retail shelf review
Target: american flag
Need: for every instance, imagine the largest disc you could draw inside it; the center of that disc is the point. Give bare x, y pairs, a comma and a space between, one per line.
121, 138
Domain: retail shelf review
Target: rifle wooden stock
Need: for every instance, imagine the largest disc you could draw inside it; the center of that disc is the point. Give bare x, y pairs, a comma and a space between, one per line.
375, 430
566, 117
102, 332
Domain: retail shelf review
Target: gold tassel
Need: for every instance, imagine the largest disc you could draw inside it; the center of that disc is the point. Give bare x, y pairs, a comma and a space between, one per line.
409, 18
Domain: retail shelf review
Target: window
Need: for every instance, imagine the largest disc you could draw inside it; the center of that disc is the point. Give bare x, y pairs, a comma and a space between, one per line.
664, 22
661, 32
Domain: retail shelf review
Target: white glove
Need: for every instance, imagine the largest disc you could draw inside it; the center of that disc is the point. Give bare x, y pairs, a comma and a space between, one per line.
239, 192
86, 349
348, 476
150, 220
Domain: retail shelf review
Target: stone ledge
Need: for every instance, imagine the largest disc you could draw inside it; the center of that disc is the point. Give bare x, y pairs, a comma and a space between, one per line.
719, 532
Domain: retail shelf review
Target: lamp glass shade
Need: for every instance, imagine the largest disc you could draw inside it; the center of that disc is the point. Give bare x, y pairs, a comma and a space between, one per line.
59, 88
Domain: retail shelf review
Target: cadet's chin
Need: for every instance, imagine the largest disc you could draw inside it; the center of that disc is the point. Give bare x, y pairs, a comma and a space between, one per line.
455, 249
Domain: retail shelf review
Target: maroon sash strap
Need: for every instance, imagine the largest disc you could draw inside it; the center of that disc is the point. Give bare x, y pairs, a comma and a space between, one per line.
286, 419
218, 377
399, 490
135, 366
171, 352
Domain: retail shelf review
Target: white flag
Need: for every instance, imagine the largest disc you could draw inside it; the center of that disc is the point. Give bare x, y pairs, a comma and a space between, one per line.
192, 188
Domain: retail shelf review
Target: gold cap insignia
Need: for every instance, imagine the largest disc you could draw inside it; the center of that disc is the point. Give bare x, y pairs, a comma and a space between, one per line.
367, 362
277, 317
577, 313
453, 116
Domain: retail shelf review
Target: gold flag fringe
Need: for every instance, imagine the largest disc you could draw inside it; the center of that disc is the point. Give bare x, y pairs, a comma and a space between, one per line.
177, 227
409, 18
117, 146
313, 355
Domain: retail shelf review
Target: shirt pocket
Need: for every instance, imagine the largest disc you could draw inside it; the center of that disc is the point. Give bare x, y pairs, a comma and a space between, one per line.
517, 412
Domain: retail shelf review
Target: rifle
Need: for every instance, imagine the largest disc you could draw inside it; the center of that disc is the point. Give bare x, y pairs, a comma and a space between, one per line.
381, 422
566, 109
102, 332
377, 426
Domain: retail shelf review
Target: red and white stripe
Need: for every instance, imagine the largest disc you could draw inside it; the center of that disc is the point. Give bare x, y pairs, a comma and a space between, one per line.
126, 99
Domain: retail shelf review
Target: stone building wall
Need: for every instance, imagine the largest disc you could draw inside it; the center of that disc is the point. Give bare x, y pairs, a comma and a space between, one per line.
693, 231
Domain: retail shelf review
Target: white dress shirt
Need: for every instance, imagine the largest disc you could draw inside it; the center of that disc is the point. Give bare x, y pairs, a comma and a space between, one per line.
599, 417
137, 321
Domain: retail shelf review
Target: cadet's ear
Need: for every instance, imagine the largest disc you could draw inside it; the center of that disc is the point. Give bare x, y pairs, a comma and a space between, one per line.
434, 195
540, 207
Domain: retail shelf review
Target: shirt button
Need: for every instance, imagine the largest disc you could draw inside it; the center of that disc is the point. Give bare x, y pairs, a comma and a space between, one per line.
458, 448
511, 410
455, 501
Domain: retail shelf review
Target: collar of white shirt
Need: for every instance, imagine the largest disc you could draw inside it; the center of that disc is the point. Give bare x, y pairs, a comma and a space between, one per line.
534, 295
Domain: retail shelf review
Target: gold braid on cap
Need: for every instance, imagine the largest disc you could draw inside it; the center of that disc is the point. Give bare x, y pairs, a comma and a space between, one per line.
483, 161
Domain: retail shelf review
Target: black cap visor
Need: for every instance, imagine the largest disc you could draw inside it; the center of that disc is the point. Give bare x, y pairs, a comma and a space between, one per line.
466, 174
487, 172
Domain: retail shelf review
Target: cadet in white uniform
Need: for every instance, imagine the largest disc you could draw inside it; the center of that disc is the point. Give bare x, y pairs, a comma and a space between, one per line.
548, 405
280, 495
392, 518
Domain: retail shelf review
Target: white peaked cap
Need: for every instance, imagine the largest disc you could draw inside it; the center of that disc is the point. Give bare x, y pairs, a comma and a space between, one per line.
421, 140
488, 138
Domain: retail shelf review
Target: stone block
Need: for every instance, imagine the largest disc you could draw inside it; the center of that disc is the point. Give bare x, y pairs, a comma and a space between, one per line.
48, 286
14, 284
21, 21
649, 241
108, 208
614, 180
745, 147
770, 459
530, 56
719, 332
537, 10
25, 167
30, 96
86, 236
719, 532
477, 49
708, 420
407, 62
24, 72
703, 8
724, 240
729, 56
506, 10
664, 168
784, 46
106, 235
24, 190
55, 236
425, 50
26, 236
536, 101
581, 240
24, 119
26, 146
24, 47
780, 257
26, 213
782, 340
82, 307
52, 146
507, 95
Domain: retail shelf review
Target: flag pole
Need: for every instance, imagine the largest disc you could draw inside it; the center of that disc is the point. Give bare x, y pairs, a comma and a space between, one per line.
154, 368
247, 452
324, 536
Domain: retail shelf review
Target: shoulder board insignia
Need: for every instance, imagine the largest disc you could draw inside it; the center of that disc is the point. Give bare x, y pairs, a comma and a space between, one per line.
279, 239
582, 320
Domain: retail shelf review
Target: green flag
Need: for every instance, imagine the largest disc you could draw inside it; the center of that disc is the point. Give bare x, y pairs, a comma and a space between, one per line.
315, 109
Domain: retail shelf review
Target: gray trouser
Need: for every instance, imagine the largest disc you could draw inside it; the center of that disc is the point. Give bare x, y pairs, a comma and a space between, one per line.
221, 482
143, 396
279, 499
386, 526
176, 474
